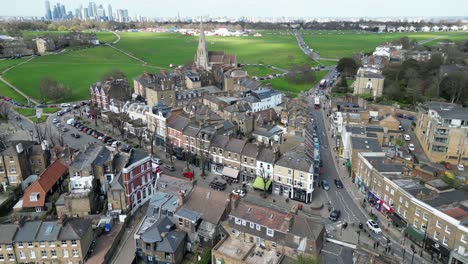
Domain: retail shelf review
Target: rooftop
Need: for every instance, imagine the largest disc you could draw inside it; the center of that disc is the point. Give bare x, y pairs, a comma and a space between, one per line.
364, 143
296, 160
448, 110
210, 204
7, 233
49, 231
262, 215
246, 252
235, 145
94, 153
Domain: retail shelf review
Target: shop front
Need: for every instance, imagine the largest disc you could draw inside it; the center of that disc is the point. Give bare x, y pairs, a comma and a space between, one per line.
301, 195
414, 235
280, 189
438, 250
360, 184
385, 208
398, 221
231, 174
217, 168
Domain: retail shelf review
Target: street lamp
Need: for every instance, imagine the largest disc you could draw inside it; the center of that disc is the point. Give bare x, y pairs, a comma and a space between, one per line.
414, 251
424, 240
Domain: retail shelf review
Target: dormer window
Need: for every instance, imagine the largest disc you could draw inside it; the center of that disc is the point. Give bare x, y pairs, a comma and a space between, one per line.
34, 197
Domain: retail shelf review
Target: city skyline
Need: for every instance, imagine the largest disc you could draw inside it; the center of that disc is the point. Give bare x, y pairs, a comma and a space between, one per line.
258, 8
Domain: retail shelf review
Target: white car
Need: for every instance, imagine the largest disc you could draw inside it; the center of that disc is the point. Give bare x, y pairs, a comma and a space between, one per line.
407, 137
55, 121
460, 167
374, 227
411, 147
239, 192
157, 161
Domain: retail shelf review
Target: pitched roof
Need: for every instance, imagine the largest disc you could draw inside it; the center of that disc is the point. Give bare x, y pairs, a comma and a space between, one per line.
295, 160
262, 215
178, 123
306, 227
28, 231
7, 233
250, 150
49, 231
191, 130
220, 141
267, 155
44, 184
75, 228
235, 145
209, 203
169, 240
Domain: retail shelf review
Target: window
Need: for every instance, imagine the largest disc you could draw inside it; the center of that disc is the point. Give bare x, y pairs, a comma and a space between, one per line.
464, 238
425, 216
32, 254
273, 244
406, 204
258, 227
75, 253
399, 209
64, 243
11, 256
404, 214
1, 169
401, 199
53, 253
438, 224
9, 247
22, 255
436, 235
447, 229
252, 225
41, 243
11, 159
270, 232
73, 242
416, 223
244, 222
142, 168
279, 178
417, 212
386, 188
289, 172
238, 221
20, 244
150, 258
12, 169
43, 254
245, 160
33, 198
39, 161
65, 253
445, 241
181, 221
30, 244
2, 258
32, 162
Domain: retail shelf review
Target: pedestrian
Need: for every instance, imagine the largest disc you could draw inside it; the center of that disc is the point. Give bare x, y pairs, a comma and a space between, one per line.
377, 244
374, 245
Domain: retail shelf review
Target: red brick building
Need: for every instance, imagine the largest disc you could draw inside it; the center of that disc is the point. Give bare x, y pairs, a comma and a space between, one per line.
103, 92
175, 131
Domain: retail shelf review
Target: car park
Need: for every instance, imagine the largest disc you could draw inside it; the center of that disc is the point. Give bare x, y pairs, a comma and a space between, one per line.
339, 184
325, 185
373, 226
334, 215
411, 147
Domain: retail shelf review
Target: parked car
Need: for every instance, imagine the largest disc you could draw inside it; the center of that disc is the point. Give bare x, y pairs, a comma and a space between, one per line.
55, 121
411, 147
75, 135
239, 192
64, 105
125, 148
373, 226
461, 167
217, 185
157, 161
334, 215
169, 167
64, 129
407, 137
338, 184
325, 185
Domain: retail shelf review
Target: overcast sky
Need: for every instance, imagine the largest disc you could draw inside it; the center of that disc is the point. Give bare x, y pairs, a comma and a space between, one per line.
259, 8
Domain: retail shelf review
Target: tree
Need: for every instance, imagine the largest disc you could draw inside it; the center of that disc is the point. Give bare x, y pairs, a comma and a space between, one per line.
454, 87
119, 121
94, 111
306, 259
114, 74
300, 74
139, 133
265, 178
347, 66
52, 90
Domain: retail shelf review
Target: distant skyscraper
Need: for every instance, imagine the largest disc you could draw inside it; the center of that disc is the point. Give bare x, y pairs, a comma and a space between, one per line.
63, 11
94, 9
85, 14
109, 13
100, 12
77, 13
125, 11
90, 10
48, 12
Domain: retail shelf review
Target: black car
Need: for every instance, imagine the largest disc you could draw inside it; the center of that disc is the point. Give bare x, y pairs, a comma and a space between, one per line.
75, 135
338, 184
220, 186
334, 215
125, 148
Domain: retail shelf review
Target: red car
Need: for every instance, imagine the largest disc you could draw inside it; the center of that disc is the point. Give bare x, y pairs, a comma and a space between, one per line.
448, 166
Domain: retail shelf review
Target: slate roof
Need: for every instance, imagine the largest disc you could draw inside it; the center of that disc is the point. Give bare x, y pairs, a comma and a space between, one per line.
27, 233
209, 203
7, 233
49, 231
250, 150
169, 240
306, 227
364, 143
355, 130
448, 110
178, 123
188, 214
94, 154
295, 160
220, 141
191, 130
136, 156
153, 233
373, 75
266, 155
235, 145
75, 228
238, 107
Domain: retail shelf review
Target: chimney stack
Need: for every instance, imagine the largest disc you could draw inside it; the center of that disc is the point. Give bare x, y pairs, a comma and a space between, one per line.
234, 200
180, 199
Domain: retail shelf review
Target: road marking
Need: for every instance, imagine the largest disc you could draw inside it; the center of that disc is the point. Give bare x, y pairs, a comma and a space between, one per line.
331, 253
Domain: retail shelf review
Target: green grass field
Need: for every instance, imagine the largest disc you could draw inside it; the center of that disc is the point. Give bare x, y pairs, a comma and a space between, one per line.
26, 111
259, 71
77, 69
336, 45
294, 89
106, 37
42, 119
8, 92
50, 110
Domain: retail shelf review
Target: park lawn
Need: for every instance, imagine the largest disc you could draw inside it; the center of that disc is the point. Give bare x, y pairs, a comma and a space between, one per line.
6, 63
42, 119
26, 111
283, 85
50, 110
331, 44
12, 94
259, 71
162, 49
106, 37
78, 70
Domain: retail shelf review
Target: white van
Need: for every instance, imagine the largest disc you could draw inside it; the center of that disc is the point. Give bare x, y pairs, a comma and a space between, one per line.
71, 121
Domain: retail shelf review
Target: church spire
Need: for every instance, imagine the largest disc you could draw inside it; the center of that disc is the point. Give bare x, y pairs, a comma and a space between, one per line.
201, 57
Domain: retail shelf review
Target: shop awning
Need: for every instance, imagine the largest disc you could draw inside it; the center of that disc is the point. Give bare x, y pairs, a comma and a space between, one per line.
414, 234
230, 172
260, 185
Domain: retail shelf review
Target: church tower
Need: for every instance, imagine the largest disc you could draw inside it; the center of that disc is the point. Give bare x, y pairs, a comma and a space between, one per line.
201, 58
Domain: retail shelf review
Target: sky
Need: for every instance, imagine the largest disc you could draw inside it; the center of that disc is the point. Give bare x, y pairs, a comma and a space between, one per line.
257, 8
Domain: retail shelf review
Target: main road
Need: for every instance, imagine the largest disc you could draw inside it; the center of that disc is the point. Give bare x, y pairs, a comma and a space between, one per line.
348, 202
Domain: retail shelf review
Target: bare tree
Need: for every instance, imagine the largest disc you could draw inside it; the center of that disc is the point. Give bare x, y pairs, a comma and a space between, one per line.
94, 112
265, 177
58, 139
119, 121
5, 109
139, 133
